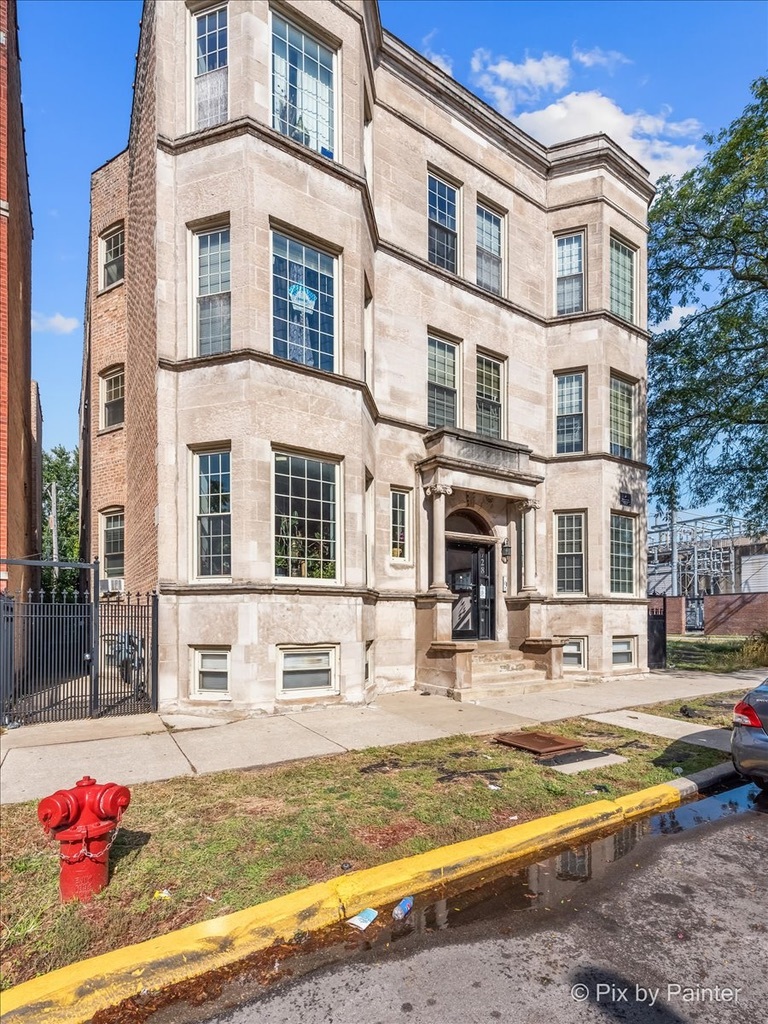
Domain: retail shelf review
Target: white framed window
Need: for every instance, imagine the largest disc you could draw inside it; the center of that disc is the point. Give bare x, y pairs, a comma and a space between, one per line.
211, 75
442, 387
443, 220
213, 514
303, 303
112, 256
400, 541
306, 517
302, 88
112, 389
489, 262
113, 543
570, 552
622, 280
623, 650
213, 294
622, 418
210, 667
570, 273
569, 415
575, 652
307, 671
488, 405
622, 554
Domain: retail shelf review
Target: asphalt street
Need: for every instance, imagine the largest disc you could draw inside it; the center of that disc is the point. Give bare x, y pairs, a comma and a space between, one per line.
670, 930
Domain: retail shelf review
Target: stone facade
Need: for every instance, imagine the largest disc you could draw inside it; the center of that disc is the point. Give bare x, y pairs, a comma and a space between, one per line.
448, 511
20, 453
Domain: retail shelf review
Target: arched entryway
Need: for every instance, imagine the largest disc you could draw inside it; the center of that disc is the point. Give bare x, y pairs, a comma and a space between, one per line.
470, 574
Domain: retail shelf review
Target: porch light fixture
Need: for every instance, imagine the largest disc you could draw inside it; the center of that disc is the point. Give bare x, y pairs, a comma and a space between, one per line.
506, 550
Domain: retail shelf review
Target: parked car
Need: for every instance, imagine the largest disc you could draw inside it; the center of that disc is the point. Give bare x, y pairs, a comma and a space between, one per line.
749, 739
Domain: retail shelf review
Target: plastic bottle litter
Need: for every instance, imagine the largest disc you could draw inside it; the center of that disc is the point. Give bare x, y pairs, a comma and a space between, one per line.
403, 908
677, 771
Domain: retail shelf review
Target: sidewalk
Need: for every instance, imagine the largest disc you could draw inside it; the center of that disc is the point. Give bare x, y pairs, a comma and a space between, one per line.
38, 759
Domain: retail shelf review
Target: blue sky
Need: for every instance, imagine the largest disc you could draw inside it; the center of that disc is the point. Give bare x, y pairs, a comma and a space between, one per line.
654, 75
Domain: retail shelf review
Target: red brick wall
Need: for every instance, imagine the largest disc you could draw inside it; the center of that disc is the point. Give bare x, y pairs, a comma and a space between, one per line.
735, 614
18, 519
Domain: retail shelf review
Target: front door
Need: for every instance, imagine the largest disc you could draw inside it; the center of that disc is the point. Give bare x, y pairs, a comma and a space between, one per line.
469, 570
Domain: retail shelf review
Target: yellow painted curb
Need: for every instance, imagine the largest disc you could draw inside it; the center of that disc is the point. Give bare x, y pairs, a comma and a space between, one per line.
73, 994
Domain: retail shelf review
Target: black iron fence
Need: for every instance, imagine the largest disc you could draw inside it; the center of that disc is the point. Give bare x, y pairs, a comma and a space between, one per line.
67, 655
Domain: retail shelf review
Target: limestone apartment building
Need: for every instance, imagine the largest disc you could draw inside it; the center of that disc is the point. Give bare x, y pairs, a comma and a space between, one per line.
364, 383
20, 415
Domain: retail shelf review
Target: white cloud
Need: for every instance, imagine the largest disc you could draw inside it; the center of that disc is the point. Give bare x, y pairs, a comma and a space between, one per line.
647, 137
675, 318
608, 59
56, 324
509, 84
442, 60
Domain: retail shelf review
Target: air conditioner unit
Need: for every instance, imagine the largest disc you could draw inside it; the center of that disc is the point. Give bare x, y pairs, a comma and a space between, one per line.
114, 585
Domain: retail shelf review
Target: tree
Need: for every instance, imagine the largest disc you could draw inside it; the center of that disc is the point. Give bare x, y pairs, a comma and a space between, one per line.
708, 301
60, 466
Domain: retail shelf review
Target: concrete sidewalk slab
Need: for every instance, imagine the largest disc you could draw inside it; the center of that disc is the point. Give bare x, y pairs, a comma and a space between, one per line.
450, 717
358, 728
538, 707
50, 733
251, 743
574, 767
668, 728
30, 773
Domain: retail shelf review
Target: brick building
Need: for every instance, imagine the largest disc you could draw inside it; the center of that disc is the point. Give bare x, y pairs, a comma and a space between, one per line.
20, 416
364, 380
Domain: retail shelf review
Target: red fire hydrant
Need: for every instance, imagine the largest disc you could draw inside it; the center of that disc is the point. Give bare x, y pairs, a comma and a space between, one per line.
84, 820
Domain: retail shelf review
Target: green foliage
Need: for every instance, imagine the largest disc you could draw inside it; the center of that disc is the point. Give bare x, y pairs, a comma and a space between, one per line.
61, 466
708, 377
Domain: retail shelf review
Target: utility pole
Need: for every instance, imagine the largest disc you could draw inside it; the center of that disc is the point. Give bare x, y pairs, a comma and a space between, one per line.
53, 522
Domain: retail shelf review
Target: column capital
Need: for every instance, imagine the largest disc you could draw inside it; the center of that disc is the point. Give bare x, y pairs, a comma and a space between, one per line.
526, 504
438, 490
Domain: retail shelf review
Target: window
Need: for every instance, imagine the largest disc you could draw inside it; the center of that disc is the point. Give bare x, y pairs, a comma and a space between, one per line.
214, 514
570, 274
623, 650
622, 280
570, 413
488, 250
622, 554
442, 224
212, 672
399, 524
305, 517
622, 413
302, 88
441, 392
113, 399
303, 309
308, 670
113, 257
488, 413
214, 297
113, 544
573, 652
211, 81
570, 553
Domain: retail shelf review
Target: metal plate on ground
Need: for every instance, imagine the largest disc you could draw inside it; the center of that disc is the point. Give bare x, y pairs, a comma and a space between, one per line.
538, 742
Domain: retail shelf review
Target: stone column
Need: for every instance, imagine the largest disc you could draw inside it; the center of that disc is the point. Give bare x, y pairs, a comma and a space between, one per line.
529, 544
438, 492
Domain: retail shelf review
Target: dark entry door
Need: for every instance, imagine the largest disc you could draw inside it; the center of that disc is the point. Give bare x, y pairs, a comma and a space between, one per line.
469, 569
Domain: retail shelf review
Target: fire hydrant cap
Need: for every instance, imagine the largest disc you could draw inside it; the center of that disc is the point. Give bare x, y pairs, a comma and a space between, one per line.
87, 781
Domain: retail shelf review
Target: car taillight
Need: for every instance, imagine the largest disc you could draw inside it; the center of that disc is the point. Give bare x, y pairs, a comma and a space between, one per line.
745, 714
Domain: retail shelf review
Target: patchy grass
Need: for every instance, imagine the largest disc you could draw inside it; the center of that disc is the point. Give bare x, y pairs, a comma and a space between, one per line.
717, 653
219, 843
715, 709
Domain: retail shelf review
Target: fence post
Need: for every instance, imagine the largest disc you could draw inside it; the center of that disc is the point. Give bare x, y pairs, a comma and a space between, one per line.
155, 659
95, 662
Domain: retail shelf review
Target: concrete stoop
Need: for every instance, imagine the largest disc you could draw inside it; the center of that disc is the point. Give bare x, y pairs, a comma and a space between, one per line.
499, 671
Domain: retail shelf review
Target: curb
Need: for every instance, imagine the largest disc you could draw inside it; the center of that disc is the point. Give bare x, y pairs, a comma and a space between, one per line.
73, 994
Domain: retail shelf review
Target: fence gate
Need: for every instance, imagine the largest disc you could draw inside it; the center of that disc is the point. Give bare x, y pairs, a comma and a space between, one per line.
657, 636
67, 655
